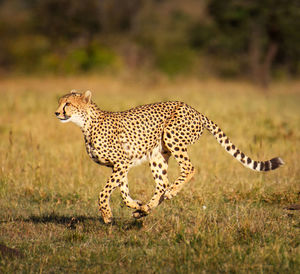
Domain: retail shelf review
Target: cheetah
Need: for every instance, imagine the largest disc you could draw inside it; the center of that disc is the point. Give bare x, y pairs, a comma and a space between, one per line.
153, 132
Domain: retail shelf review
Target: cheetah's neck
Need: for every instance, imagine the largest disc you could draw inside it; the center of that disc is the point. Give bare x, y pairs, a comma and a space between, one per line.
93, 116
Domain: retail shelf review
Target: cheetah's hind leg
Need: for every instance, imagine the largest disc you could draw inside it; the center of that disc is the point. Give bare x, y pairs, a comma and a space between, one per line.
128, 201
187, 171
179, 151
159, 165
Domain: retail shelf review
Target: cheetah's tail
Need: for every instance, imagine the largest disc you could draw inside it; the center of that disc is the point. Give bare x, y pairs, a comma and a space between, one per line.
236, 153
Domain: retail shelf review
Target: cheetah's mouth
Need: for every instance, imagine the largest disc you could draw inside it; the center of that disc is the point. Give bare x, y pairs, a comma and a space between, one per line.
64, 119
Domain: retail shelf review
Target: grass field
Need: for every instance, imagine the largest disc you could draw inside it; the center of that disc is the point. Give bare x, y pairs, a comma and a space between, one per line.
228, 219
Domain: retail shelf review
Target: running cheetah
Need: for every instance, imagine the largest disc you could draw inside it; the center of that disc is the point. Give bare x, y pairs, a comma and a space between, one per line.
154, 132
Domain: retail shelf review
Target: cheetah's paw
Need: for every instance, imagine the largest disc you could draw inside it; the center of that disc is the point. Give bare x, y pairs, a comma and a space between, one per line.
142, 212
139, 214
107, 220
168, 195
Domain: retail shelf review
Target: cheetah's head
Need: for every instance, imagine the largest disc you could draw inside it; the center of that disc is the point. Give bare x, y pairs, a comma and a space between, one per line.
73, 107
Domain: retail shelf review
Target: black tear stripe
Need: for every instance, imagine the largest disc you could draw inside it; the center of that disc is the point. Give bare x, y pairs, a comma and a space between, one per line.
64, 110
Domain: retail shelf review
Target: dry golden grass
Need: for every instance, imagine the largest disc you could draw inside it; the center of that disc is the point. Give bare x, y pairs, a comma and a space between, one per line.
228, 219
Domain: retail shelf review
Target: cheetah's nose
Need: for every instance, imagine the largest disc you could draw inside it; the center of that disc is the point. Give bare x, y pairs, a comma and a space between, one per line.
56, 113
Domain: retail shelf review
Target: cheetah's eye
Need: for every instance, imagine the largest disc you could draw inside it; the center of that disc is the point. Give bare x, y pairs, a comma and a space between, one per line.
67, 104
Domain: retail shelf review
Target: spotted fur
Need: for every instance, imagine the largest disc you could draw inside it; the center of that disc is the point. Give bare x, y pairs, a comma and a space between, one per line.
121, 140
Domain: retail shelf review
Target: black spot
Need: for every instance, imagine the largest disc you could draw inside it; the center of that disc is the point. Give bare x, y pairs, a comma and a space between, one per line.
168, 135
242, 155
254, 165
248, 160
236, 153
262, 165
228, 148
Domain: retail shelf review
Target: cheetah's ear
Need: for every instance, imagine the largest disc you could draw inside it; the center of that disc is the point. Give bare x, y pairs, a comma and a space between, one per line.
87, 96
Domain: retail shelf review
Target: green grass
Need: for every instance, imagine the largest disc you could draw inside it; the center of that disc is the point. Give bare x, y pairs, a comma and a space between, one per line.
228, 219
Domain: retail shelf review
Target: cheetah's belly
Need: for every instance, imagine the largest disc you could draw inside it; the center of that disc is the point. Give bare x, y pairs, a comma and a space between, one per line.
146, 156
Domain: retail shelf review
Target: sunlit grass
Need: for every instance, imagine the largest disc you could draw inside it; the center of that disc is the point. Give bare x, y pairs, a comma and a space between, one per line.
228, 219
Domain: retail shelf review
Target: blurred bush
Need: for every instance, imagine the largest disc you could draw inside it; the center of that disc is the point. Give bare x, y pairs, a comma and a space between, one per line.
234, 38
175, 61
90, 58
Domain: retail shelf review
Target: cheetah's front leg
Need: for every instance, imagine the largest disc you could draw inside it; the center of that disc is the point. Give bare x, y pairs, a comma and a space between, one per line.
104, 196
118, 178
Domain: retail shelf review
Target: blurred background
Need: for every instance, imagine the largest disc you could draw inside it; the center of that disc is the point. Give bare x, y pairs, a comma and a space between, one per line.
244, 39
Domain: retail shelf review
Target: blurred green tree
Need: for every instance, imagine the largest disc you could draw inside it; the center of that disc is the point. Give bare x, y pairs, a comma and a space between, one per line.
233, 38
65, 20
265, 30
